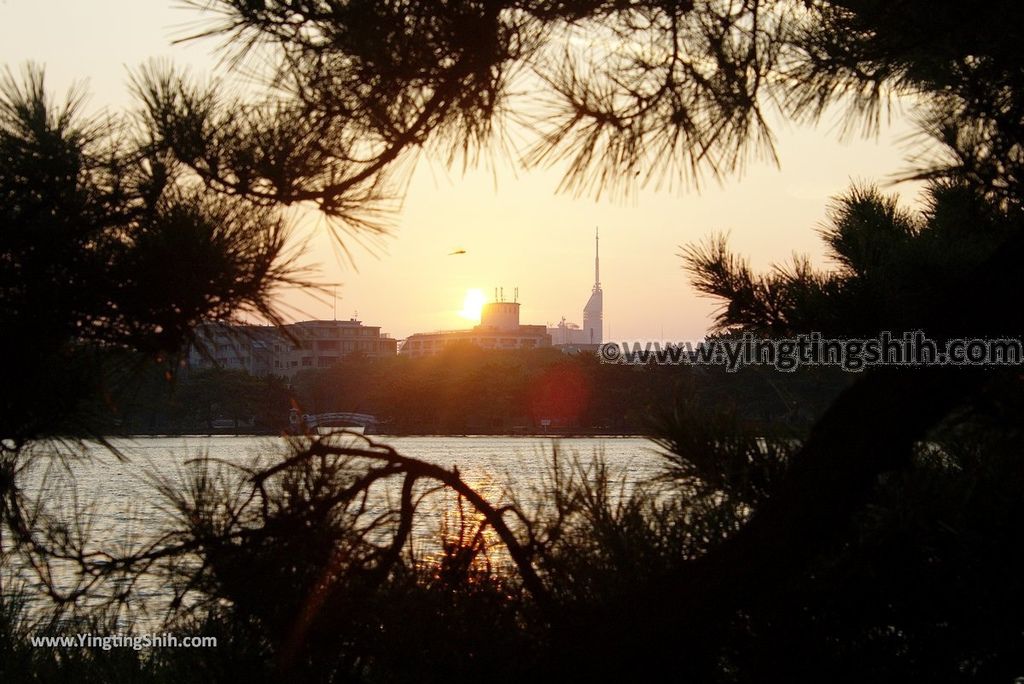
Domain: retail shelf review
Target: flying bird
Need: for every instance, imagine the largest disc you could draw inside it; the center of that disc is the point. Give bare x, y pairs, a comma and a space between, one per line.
458, 251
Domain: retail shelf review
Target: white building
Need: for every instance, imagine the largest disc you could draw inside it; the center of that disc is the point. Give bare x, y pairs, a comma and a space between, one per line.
499, 329
267, 350
565, 334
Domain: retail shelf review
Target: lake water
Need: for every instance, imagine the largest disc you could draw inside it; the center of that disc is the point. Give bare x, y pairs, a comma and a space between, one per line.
124, 503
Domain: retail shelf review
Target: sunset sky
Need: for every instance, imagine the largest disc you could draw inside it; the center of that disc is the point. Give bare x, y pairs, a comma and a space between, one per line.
517, 232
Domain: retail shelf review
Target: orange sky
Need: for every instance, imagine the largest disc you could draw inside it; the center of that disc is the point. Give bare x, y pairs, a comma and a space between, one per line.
517, 232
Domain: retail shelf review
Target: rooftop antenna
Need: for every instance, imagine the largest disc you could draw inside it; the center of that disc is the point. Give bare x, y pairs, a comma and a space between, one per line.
597, 258
502, 294
495, 294
515, 298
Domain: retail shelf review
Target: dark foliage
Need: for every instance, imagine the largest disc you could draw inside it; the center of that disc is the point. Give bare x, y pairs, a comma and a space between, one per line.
109, 257
880, 544
104, 248
890, 266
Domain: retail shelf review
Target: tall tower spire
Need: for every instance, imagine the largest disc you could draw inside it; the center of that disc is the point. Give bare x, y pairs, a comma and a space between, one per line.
593, 312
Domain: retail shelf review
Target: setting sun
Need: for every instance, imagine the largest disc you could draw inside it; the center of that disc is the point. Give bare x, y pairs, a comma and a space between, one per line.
472, 304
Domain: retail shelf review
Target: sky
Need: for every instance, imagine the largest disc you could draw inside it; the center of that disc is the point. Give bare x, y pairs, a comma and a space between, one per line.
516, 230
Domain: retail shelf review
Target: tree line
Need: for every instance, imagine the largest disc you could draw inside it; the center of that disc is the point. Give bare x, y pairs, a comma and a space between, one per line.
467, 390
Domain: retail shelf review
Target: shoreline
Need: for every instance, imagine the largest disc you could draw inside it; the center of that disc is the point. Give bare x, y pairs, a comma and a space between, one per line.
281, 433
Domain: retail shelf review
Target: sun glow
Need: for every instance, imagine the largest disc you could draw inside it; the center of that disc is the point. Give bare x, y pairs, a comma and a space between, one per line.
472, 304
